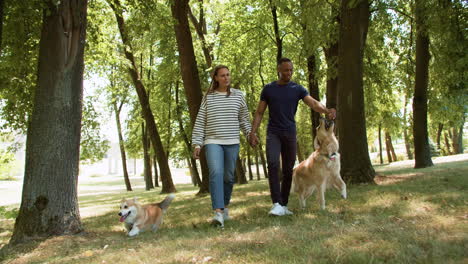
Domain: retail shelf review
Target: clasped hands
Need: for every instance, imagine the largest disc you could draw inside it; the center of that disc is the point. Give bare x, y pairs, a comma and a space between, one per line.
253, 139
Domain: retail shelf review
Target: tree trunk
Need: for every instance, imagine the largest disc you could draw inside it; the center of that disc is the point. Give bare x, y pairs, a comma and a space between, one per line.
249, 164
387, 148
189, 71
278, 39
49, 204
380, 143
192, 161
263, 159
240, 173
355, 162
155, 167
146, 157
390, 146
199, 28
123, 155
447, 144
440, 128
257, 169
2, 4
422, 151
409, 153
166, 177
313, 90
331, 56
455, 141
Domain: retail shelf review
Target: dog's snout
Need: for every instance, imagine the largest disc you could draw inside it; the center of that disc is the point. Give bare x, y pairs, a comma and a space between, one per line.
120, 214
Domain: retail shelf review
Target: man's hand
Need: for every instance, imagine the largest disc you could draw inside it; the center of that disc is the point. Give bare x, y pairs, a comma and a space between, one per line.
196, 153
331, 113
253, 139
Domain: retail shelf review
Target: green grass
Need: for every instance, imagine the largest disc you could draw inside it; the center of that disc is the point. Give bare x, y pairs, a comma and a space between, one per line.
409, 216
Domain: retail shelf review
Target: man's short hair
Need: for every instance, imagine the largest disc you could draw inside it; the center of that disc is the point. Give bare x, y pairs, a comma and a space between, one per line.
283, 59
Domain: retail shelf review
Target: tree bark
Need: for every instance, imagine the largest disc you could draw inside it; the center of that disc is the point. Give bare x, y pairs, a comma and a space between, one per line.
313, 90
447, 145
155, 167
257, 169
278, 39
2, 4
391, 150
200, 29
188, 148
455, 141
123, 155
263, 159
440, 128
249, 163
49, 204
355, 162
380, 143
240, 173
409, 153
146, 157
331, 56
189, 71
166, 177
422, 151
387, 148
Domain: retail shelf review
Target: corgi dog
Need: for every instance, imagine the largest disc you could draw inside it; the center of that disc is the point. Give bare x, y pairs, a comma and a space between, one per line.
321, 169
138, 218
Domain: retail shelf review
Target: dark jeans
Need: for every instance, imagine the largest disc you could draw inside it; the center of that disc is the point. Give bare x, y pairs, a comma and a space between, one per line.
283, 143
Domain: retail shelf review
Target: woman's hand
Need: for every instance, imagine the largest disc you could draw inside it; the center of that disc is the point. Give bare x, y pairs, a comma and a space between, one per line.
196, 152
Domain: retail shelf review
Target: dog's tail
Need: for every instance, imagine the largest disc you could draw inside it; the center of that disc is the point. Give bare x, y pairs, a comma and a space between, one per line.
166, 202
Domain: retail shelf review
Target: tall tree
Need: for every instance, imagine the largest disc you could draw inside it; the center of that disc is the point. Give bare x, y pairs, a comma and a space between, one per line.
355, 162
166, 176
2, 4
49, 204
422, 153
123, 155
189, 71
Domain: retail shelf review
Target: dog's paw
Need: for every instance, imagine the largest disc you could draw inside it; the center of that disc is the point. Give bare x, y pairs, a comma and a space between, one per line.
133, 232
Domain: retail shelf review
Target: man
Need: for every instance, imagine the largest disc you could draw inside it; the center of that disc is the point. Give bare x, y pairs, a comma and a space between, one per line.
282, 97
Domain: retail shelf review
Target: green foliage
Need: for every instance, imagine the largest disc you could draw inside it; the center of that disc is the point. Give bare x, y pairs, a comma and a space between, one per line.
18, 62
92, 147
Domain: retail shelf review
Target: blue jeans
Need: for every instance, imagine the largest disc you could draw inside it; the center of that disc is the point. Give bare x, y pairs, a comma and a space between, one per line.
280, 143
221, 165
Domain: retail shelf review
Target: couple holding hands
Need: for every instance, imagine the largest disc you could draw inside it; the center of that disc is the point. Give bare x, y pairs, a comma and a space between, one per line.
223, 113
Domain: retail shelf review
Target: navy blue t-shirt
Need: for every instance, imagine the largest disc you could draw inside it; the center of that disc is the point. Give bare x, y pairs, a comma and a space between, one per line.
282, 103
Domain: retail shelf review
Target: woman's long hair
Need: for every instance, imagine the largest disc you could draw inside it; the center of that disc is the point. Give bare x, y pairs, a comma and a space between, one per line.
214, 84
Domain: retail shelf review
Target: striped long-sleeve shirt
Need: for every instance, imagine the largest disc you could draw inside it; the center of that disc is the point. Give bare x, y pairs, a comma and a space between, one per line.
220, 119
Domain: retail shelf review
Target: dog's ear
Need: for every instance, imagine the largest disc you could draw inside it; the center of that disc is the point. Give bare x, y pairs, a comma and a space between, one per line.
316, 143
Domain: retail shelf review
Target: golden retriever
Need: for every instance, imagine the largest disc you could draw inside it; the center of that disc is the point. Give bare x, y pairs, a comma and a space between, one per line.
321, 169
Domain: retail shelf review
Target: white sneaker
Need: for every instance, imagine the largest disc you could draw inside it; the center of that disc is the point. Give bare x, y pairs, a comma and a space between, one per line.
277, 210
286, 211
226, 214
218, 219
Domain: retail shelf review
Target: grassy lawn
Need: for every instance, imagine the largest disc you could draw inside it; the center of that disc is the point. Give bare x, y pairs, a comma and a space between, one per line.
409, 216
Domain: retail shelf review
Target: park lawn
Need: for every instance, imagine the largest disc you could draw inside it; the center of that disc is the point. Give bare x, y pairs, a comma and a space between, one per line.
409, 216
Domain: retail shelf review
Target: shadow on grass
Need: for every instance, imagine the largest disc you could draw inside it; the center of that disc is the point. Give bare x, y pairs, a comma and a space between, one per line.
413, 220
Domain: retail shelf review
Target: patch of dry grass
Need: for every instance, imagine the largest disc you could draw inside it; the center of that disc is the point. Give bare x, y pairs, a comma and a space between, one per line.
410, 216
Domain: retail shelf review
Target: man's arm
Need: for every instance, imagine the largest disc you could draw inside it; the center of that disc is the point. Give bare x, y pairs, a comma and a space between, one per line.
319, 107
262, 105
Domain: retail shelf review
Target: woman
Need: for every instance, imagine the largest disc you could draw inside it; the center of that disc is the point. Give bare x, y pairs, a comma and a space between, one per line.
223, 112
